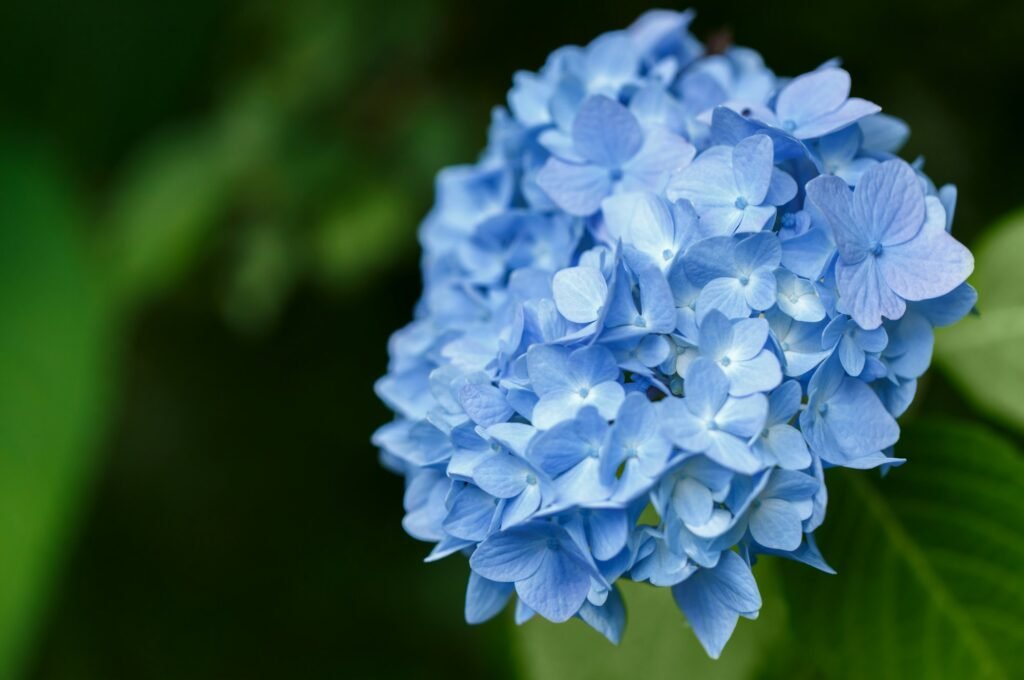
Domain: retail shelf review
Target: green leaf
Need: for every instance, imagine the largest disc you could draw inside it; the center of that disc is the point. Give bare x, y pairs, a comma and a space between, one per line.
929, 559
657, 643
167, 203
54, 373
981, 354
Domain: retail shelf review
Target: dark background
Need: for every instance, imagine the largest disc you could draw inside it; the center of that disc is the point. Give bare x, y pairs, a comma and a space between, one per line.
237, 524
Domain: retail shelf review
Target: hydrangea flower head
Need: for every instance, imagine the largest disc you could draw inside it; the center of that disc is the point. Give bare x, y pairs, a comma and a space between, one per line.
673, 291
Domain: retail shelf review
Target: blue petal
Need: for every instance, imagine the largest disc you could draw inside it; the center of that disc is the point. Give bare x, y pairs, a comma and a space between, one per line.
752, 168
929, 265
606, 133
471, 514
567, 443
707, 387
502, 475
889, 203
712, 600
485, 404
580, 293
575, 188
812, 95
510, 555
865, 295
776, 524
485, 598
607, 532
557, 589
609, 619
548, 367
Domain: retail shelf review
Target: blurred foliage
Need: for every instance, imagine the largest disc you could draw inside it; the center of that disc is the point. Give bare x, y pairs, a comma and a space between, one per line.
206, 235
928, 561
657, 643
54, 370
982, 353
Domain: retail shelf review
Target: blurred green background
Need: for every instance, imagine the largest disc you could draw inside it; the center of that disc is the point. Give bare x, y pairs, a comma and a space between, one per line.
207, 232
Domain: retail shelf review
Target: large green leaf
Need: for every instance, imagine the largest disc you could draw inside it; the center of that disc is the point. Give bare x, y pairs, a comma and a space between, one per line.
657, 643
982, 354
930, 582
54, 375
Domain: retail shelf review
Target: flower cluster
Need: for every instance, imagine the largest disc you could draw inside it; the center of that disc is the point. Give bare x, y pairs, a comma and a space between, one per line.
672, 292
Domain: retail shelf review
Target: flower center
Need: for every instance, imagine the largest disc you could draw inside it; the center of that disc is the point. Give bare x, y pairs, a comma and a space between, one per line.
584, 392
667, 254
741, 203
615, 174
876, 249
531, 479
789, 125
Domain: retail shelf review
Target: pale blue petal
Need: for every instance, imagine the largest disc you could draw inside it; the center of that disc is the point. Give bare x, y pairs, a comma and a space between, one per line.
889, 203
758, 251
548, 367
928, 266
485, 598
812, 95
781, 190
752, 164
607, 532
710, 259
730, 451
865, 295
662, 154
609, 619
485, 404
725, 296
502, 475
692, 501
758, 374
835, 201
707, 387
471, 514
743, 416
509, 555
576, 188
580, 293
852, 110
707, 181
753, 218
776, 524
557, 589
605, 132
681, 426
606, 398
760, 290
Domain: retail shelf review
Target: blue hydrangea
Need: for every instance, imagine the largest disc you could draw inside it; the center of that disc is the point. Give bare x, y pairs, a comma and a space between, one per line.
673, 291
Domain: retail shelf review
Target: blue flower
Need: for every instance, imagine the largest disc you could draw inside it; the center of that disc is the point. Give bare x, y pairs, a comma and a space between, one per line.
777, 517
671, 281
818, 103
735, 188
853, 344
567, 381
892, 240
638, 451
711, 422
610, 150
738, 349
571, 452
735, 276
714, 599
551, 573
844, 422
779, 442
